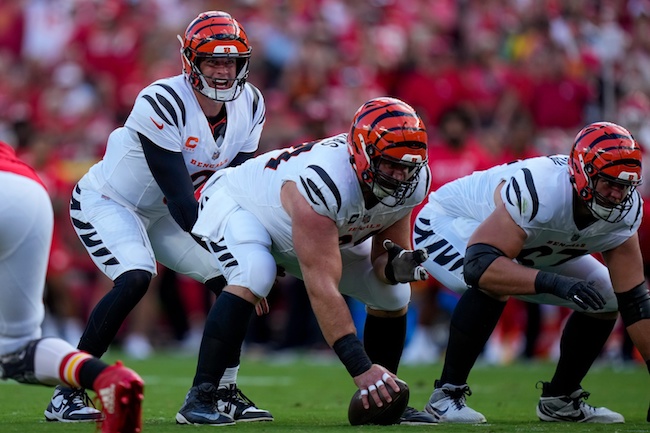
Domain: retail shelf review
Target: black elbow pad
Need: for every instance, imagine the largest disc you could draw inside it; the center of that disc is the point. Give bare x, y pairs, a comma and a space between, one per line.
478, 257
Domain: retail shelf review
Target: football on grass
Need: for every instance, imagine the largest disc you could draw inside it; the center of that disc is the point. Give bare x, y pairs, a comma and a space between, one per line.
388, 414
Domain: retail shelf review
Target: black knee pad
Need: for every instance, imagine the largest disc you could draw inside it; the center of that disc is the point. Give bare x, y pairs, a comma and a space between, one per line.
634, 305
133, 284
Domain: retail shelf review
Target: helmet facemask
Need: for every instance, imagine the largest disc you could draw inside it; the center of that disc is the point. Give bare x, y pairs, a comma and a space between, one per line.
215, 35
604, 208
389, 190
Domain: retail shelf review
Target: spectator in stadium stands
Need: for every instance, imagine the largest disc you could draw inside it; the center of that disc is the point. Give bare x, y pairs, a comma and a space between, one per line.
335, 213
136, 206
528, 229
26, 233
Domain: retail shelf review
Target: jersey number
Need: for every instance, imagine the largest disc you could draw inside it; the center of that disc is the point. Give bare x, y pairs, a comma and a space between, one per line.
284, 156
527, 256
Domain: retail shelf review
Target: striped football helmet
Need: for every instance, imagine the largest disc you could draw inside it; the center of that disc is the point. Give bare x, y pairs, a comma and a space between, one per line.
215, 34
388, 131
605, 151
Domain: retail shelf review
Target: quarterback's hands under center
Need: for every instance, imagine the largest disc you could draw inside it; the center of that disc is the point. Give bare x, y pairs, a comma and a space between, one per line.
404, 266
262, 307
373, 385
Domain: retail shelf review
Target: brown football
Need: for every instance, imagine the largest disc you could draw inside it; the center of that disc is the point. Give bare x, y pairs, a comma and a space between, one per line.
388, 414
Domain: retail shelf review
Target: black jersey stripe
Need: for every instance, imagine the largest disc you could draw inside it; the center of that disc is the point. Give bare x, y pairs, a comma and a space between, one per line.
530, 184
420, 234
517, 189
257, 95
310, 187
80, 224
178, 100
75, 204
169, 107
508, 194
157, 109
328, 182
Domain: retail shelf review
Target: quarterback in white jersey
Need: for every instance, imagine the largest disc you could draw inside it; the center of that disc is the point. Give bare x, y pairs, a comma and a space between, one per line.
167, 113
332, 212
136, 206
529, 229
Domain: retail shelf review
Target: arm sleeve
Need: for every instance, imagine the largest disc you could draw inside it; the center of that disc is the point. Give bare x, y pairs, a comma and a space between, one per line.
169, 171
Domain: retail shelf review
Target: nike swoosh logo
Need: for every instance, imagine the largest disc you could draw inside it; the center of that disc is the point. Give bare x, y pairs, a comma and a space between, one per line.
158, 125
440, 412
574, 418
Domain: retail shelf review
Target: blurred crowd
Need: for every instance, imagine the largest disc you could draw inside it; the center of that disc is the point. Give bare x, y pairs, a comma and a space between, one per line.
494, 80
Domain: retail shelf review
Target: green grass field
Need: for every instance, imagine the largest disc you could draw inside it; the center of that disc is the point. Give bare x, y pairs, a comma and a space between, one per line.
310, 396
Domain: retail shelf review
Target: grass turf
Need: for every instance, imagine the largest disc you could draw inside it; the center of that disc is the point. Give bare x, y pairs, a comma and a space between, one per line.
309, 395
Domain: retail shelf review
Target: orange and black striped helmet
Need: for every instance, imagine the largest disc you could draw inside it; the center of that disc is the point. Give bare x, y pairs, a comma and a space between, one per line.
606, 151
388, 130
215, 34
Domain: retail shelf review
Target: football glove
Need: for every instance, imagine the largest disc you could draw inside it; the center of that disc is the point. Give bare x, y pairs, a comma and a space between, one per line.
582, 293
403, 265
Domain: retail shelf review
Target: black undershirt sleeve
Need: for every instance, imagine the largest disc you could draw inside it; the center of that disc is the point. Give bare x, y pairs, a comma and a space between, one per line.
169, 171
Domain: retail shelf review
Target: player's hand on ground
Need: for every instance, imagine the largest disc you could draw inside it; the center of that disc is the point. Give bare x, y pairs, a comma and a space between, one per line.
403, 265
373, 385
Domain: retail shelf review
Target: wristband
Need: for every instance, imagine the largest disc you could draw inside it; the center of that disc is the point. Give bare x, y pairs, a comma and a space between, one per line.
545, 282
350, 351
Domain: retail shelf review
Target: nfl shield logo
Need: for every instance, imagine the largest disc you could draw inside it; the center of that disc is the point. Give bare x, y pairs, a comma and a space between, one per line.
216, 154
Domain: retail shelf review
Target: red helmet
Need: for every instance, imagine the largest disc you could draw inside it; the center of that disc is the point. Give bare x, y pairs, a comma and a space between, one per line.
387, 130
215, 34
605, 151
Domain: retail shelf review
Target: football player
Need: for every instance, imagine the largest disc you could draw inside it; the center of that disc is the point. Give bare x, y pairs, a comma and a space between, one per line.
335, 213
529, 229
136, 206
26, 227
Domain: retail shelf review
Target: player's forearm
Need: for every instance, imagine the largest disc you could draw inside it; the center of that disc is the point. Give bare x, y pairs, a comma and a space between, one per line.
504, 277
331, 311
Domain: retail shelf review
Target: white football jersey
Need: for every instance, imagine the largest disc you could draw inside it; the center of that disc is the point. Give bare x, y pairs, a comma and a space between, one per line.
538, 195
324, 176
168, 113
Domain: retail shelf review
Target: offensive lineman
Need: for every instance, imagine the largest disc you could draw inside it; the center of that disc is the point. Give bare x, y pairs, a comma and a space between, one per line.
136, 206
26, 226
528, 229
326, 211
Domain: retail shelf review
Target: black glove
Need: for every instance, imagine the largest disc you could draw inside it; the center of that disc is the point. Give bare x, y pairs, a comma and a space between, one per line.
582, 293
404, 265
